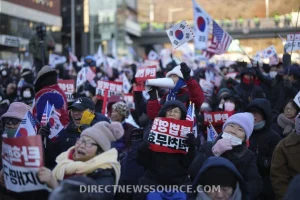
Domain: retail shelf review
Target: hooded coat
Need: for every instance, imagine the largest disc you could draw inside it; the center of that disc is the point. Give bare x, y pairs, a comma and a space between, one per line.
243, 159
165, 168
248, 92
285, 164
262, 143
222, 162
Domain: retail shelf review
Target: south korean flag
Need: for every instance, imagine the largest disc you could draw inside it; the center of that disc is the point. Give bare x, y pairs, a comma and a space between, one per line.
180, 34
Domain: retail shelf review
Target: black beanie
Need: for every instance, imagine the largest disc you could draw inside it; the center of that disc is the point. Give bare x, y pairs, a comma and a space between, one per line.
218, 176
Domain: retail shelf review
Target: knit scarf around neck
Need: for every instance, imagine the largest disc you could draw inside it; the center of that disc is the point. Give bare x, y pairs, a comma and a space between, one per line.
67, 167
285, 123
172, 93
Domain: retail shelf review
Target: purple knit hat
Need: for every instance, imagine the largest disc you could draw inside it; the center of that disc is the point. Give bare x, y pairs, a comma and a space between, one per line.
244, 120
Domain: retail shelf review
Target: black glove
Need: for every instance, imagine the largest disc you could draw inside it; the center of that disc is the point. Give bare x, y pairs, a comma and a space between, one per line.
45, 130
190, 140
153, 93
185, 70
83, 127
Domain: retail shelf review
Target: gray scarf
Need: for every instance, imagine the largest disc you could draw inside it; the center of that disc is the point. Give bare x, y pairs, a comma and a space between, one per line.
237, 195
287, 124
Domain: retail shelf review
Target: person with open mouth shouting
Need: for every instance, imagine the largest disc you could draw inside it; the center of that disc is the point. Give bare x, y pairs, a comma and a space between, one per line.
92, 156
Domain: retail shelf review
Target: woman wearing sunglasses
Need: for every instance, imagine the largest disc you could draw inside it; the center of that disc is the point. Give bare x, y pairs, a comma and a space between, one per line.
13, 117
91, 156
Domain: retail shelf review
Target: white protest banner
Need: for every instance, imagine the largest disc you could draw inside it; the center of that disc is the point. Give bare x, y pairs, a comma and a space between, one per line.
67, 86
291, 37
180, 34
216, 118
22, 157
232, 75
289, 45
297, 99
129, 99
269, 52
113, 87
169, 135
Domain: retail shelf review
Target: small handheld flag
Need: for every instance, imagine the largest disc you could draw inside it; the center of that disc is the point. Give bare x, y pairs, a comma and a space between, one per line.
180, 34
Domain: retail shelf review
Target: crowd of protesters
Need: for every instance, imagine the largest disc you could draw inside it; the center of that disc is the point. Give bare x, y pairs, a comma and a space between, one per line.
256, 154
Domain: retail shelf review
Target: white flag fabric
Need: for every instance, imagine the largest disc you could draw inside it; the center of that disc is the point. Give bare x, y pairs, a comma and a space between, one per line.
81, 77
126, 84
153, 55
180, 34
99, 57
201, 26
55, 59
55, 124
269, 52
257, 56
297, 99
27, 126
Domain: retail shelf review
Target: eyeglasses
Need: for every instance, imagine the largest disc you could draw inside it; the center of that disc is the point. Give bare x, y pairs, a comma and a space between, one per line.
289, 109
86, 144
14, 121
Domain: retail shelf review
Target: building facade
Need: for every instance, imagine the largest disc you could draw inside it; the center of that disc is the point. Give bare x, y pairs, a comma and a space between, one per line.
18, 20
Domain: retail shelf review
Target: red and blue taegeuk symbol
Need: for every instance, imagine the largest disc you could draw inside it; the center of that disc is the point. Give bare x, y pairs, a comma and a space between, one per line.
269, 51
179, 34
201, 24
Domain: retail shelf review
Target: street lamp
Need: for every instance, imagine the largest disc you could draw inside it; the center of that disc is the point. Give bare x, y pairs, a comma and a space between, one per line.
171, 11
267, 8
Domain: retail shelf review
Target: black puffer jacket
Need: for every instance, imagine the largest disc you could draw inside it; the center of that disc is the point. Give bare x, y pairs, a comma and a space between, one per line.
263, 141
248, 92
165, 168
262, 144
243, 159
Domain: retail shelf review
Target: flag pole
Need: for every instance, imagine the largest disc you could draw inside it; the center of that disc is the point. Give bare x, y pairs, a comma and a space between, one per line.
243, 51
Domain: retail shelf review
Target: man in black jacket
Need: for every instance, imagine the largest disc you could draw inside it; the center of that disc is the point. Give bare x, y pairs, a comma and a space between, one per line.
68, 136
263, 142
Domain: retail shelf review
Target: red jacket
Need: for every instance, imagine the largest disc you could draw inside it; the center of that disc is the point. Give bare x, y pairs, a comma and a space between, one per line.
55, 96
192, 92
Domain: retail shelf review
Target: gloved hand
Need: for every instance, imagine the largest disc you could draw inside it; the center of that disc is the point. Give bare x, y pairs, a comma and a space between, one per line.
45, 130
190, 140
185, 70
222, 146
153, 93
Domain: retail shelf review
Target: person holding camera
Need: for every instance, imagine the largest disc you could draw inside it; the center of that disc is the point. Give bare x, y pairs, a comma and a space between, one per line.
39, 46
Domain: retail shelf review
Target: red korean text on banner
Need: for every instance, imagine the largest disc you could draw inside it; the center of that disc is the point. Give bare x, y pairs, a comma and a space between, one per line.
113, 87
68, 87
22, 157
129, 99
143, 74
169, 135
216, 118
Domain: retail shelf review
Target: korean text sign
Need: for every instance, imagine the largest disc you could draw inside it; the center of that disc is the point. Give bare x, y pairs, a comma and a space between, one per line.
216, 118
169, 135
67, 86
22, 157
113, 87
143, 74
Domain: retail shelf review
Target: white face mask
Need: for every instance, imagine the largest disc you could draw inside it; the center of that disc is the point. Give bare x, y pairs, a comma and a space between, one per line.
220, 106
229, 106
234, 140
4, 73
273, 74
27, 94
99, 74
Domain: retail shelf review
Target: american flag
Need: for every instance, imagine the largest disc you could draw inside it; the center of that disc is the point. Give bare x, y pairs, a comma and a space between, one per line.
219, 42
46, 114
190, 113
